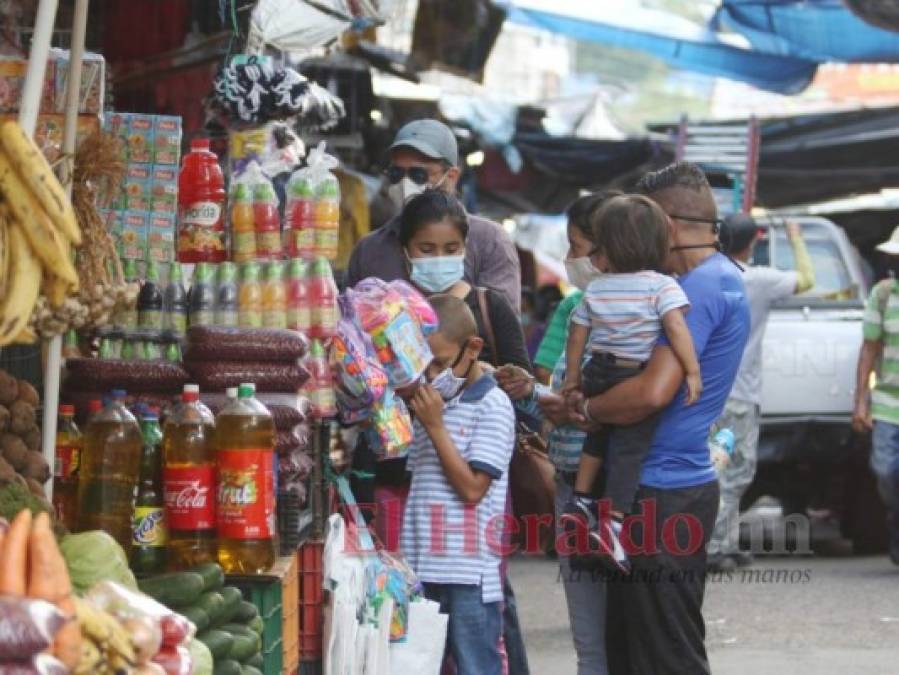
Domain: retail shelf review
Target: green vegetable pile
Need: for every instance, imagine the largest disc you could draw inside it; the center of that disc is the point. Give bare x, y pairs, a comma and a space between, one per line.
227, 625
93, 557
14, 497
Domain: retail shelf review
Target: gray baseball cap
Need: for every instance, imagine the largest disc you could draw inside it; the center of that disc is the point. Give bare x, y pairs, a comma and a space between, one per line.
429, 137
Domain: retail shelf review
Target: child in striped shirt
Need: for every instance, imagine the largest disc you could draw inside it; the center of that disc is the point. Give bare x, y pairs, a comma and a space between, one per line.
620, 319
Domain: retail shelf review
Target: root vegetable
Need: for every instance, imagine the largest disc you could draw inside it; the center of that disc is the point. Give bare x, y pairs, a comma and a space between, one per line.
7, 473
9, 388
22, 417
36, 467
29, 394
35, 488
32, 438
14, 450
4, 418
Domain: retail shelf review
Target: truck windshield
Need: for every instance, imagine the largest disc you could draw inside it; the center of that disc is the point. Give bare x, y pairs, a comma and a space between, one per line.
832, 278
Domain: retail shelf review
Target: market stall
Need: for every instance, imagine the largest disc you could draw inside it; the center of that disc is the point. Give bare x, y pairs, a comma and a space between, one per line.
173, 496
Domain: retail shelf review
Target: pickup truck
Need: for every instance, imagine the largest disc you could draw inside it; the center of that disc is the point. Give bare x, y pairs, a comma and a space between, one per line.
808, 455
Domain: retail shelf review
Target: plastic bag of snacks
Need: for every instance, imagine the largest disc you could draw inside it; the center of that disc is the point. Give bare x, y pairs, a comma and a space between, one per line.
312, 213
395, 330
389, 427
255, 221
418, 305
391, 577
359, 378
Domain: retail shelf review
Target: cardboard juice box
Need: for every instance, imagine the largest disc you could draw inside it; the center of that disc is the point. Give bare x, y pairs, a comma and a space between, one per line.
138, 190
161, 237
133, 239
164, 190
140, 139
167, 140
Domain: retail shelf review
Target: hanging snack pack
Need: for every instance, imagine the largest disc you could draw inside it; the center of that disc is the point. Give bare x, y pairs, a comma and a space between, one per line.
312, 214
396, 332
255, 223
359, 378
389, 427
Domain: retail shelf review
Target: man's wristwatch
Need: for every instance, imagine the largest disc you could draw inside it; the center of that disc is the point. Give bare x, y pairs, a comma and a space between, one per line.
585, 410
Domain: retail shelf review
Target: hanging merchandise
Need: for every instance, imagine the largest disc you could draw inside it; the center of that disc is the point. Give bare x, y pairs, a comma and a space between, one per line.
255, 222
255, 91
389, 427
312, 213
360, 378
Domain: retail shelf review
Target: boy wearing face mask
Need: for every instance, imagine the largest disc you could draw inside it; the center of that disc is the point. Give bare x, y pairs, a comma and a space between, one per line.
459, 459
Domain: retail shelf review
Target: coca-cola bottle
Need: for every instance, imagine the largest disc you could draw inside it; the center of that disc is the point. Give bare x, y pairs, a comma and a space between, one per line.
189, 482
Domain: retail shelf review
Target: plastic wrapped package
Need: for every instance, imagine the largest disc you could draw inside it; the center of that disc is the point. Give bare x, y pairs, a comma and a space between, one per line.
312, 211
360, 380
39, 664
26, 627
389, 427
254, 217
268, 376
158, 377
294, 465
391, 577
208, 343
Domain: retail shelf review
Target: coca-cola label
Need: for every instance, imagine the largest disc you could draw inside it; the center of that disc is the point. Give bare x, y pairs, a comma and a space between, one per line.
189, 497
66, 463
246, 499
149, 526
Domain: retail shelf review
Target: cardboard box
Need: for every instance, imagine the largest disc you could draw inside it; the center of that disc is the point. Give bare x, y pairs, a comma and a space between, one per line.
93, 82
138, 187
164, 190
133, 239
161, 237
167, 140
140, 139
12, 80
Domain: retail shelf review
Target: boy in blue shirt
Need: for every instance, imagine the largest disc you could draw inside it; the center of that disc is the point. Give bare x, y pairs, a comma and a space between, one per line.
463, 442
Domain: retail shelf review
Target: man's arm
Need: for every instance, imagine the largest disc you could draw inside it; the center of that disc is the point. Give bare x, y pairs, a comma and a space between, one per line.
805, 271
500, 268
640, 396
867, 361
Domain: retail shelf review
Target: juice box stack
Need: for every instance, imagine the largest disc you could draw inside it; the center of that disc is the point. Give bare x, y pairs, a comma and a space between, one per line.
144, 216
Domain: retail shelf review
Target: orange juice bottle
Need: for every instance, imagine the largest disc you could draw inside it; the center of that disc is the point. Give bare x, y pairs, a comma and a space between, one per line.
245, 503
327, 218
274, 297
243, 242
249, 297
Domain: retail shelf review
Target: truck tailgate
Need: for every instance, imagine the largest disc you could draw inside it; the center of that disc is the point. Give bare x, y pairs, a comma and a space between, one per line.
809, 361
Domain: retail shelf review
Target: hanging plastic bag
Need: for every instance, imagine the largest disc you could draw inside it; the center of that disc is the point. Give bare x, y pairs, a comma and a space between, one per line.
389, 427
255, 220
312, 213
360, 381
422, 652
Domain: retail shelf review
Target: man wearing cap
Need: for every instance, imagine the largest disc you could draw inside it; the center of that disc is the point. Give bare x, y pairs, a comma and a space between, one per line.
764, 287
880, 411
425, 154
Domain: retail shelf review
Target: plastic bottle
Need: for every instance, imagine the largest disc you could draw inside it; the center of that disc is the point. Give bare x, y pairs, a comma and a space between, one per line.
300, 218
202, 296
150, 536
249, 299
245, 436
299, 304
65, 468
319, 387
201, 206
721, 448
126, 317
274, 297
243, 233
174, 302
226, 295
323, 296
70, 349
327, 218
107, 475
188, 477
149, 300
267, 222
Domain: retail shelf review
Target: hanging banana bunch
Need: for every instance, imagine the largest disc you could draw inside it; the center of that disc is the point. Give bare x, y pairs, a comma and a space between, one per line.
38, 232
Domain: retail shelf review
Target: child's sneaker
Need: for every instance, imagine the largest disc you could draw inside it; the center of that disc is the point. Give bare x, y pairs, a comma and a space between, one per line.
603, 536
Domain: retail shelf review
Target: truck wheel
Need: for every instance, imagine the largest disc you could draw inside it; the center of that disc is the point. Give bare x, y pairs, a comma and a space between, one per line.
864, 518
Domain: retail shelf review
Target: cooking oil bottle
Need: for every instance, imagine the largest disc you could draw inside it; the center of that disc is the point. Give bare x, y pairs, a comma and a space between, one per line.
245, 506
107, 477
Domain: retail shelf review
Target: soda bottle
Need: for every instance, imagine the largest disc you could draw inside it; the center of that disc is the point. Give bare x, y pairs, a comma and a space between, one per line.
243, 237
300, 219
226, 295
249, 298
267, 222
327, 218
323, 296
107, 475
149, 524
126, 317
201, 300
245, 436
721, 448
319, 387
188, 478
201, 206
65, 467
299, 306
149, 300
174, 302
70, 349
274, 297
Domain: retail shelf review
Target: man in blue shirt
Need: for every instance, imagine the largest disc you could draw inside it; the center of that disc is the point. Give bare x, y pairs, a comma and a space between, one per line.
655, 623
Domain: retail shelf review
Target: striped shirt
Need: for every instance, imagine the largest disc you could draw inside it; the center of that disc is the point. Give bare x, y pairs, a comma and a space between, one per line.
625, 312
445, 540
881, 324
553, 343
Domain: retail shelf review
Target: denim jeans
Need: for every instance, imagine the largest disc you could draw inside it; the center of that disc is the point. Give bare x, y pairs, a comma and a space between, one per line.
585, 595
474, 627
885, 464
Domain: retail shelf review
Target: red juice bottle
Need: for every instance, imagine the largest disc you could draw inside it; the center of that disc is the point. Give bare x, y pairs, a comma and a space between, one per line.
267, 222
300, 216
323, 294
299, 303
201, 206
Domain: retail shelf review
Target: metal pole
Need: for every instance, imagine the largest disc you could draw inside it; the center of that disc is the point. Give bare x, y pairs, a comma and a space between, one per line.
37, 65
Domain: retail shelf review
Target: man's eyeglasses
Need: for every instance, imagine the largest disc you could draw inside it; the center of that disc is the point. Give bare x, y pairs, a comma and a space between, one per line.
715, 222
417, 174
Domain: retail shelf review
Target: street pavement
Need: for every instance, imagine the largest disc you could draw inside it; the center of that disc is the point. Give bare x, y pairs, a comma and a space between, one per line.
838, 616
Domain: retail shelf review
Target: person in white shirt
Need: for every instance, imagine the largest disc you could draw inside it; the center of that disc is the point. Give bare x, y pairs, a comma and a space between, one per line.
764, 287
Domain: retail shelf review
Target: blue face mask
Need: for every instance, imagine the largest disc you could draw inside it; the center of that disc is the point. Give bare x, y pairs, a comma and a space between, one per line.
438, 274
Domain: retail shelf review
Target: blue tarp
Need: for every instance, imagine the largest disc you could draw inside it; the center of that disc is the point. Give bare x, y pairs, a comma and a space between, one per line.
817, 30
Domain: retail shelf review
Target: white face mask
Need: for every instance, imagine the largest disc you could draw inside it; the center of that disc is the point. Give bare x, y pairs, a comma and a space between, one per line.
406, 189
581, 271
447, 384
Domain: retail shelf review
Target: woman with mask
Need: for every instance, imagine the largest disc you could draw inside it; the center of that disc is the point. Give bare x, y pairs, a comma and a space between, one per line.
585, 592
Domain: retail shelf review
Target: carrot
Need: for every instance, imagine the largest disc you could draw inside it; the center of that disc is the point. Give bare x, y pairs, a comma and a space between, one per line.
42, 583
13, 557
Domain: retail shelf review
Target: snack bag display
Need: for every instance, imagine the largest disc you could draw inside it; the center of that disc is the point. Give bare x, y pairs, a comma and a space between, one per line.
312, 213
359, 379
255, 223
389, 427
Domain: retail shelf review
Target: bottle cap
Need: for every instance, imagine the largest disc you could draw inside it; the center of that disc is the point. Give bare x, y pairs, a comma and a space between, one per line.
95, 405
199, 144
191, 393
66, 409
231, 392
149, 415
246, 391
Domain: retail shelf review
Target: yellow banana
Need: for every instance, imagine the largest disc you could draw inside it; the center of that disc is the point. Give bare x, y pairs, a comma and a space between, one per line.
108, 633
23, 288
4, 252
49, 245
32, 167
26, 337
57, 290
